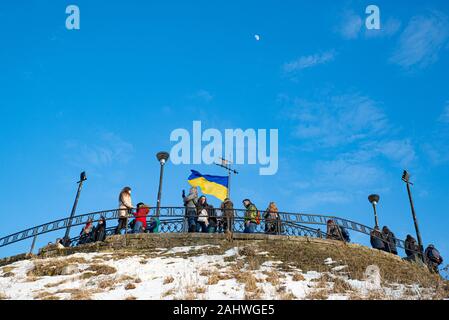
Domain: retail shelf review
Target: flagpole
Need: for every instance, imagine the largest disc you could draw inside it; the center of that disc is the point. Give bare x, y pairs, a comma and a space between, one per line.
229, 184
225, 164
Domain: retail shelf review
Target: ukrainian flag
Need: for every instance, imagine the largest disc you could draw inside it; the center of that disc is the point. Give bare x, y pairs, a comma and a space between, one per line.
216, 186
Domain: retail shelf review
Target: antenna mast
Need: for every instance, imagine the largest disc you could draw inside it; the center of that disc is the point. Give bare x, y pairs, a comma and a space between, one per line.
226, 164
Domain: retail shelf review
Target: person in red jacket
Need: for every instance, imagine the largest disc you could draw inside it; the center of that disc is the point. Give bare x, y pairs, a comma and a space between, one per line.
140, 221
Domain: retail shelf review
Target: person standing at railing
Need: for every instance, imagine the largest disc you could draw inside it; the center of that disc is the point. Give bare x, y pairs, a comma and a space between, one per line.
140, 218
333, 231
86, 234
251, 216
433, 258
125, 208
411, 247
100, 230
190, 203
153, 227
271, 218
203, 209
227, 207
376, 239
390, 240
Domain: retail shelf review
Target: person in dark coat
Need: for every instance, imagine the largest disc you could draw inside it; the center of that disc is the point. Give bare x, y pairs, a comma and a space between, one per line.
227, 207
376, 239
86, 234
333, 231
203, 212
190, 203
433, 258
100, 230
411, 246
389, 240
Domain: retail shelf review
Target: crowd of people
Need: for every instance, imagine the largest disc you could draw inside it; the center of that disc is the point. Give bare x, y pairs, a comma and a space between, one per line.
204, 218
385, 240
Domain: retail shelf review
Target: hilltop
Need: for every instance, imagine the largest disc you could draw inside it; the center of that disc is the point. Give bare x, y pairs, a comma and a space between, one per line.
203, 266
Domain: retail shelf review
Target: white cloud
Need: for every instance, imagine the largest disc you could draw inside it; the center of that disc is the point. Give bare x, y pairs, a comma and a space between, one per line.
306, 62
422, 40
387, 29
337, 120
105, 150
445, 115
350, 25
312, 200
400, 151
204, 95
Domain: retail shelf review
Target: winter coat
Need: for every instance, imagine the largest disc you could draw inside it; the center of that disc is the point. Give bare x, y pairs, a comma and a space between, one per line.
251, 213
227, 207
100, 231
271, 216
88, 228
191, 200
411, 246
430, 253
203, 216
376, 240
125, 204
141, 215
390, 241
154, 225
334, 232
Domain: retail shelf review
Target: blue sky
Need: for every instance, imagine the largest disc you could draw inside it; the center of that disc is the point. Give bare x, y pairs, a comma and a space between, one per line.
353, 107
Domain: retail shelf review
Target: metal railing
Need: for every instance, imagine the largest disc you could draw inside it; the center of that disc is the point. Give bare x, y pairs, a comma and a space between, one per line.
174, 219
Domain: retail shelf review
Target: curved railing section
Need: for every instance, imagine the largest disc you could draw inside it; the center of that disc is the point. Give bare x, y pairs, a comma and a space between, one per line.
173, 219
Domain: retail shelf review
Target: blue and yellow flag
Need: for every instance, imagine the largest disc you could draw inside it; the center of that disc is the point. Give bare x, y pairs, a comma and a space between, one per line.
216, 186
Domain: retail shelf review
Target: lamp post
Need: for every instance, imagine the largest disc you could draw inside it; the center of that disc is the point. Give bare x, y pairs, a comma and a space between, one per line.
406, 179
162, 157
374, 199
83, 178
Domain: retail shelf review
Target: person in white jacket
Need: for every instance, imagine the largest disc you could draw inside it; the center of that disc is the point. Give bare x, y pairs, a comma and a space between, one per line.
125, 207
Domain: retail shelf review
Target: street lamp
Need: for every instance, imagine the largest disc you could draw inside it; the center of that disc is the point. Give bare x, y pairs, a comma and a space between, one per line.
374, 199
406, 179
162, 157
83, 178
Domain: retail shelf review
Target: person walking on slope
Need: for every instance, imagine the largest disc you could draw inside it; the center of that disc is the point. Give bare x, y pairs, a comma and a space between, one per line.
125, 208
190, 203
251, 216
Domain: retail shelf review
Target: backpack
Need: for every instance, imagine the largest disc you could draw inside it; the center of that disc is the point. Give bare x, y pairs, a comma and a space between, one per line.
345, 234
434, 255
258, 217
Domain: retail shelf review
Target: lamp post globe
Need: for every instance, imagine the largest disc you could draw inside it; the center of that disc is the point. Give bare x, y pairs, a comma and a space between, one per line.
162, 157
374, 200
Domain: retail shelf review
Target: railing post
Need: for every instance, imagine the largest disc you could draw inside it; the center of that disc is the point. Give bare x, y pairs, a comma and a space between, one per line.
33, 244
72, 214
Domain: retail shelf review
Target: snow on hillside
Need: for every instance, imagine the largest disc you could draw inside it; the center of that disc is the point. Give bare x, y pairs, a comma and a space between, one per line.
180, 273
